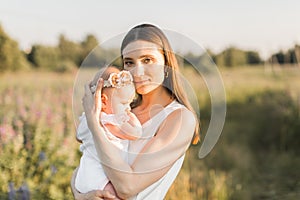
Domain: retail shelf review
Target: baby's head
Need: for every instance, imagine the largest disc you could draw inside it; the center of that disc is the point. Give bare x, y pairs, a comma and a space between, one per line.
118, 91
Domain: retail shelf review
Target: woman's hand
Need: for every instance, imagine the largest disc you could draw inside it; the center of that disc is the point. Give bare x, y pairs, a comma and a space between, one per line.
92, 104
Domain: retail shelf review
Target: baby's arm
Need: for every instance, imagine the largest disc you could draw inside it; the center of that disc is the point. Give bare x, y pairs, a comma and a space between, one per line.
130, 129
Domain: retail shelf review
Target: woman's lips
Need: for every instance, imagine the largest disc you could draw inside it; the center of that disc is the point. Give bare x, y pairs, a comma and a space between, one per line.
139, 82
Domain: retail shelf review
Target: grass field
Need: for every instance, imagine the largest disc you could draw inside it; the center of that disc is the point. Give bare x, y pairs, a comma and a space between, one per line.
256, 157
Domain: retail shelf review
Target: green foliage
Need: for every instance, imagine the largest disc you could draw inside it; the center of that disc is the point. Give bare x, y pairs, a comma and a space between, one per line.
291, 56
65, 66
69, 50
253, 58
279, 57
191, 58
262, 132
68, 54
44, 57
61, 58
11, 58
37, 135
53, 58
255, 158
279, 125
87, 45
257, 155
232, 57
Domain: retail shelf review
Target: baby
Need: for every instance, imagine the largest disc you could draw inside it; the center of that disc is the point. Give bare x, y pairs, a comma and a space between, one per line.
120, 124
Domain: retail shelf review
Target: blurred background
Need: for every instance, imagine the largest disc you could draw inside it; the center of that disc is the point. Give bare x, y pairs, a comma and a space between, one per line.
255, 45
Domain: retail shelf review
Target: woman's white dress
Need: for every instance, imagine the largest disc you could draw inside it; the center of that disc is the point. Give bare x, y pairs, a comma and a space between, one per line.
157, 190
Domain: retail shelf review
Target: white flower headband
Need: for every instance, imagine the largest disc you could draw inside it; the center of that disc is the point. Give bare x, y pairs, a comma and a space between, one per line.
116, 80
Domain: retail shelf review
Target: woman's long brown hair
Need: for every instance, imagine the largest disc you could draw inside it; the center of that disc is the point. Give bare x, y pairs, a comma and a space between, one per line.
173, 83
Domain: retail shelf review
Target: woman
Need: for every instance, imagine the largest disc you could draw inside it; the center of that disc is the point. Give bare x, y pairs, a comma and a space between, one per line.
168, 120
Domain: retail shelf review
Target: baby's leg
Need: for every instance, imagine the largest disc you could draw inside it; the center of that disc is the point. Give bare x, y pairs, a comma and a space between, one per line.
109, 187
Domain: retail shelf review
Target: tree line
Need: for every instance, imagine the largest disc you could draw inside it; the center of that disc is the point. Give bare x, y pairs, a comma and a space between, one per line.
68, 55
65, 56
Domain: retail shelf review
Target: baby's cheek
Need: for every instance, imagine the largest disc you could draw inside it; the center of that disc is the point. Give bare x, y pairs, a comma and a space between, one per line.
118, 108
127, 92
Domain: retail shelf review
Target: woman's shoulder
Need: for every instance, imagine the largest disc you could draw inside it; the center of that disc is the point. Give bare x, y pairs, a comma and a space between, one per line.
181, 113
180, 109
180, 119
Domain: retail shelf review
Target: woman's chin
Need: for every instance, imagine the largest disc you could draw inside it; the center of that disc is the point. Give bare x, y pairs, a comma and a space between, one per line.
145, 89
142, 90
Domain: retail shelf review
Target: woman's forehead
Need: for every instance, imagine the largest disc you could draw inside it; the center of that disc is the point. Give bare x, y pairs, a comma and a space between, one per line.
140, 45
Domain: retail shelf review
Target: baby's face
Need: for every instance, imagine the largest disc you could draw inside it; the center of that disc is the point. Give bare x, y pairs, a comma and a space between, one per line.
120, 98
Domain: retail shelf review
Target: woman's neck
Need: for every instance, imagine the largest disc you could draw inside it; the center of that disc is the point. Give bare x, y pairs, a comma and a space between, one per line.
152, 103
158, 96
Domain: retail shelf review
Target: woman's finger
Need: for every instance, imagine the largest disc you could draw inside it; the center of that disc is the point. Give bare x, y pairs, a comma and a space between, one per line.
98, 93
88, 100
100, 84
99, 87
87, 89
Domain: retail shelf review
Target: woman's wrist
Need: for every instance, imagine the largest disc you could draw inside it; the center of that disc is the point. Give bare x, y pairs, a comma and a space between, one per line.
95, 126
92, 119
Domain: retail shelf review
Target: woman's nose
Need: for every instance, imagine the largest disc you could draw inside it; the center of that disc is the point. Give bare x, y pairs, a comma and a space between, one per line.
139, 70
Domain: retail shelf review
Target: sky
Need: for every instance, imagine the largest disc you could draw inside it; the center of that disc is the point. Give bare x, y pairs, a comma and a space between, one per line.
266, 26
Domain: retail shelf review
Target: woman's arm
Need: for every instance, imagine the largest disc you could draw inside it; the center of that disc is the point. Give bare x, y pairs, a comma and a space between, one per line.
156, 158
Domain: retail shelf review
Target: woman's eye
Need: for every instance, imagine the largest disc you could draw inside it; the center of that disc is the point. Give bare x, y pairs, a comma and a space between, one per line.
147, 61
128, 64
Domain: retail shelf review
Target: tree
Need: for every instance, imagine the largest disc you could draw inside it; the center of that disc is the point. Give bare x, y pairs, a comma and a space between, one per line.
91, 56
69, 50
297, 53
235, 57
88, 44
11, 58
44, 57
253, 57
279, 57
232, 56
190, 58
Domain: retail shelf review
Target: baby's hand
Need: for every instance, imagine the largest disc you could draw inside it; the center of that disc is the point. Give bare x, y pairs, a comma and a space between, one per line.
128, 111
123, 118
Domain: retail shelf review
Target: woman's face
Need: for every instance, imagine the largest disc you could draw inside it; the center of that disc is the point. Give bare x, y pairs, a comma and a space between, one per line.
146, 62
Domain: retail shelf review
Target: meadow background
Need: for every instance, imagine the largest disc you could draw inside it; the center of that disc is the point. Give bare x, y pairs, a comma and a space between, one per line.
256, 157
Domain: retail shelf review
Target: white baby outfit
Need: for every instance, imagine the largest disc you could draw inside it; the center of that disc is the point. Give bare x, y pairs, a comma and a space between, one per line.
90, 175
